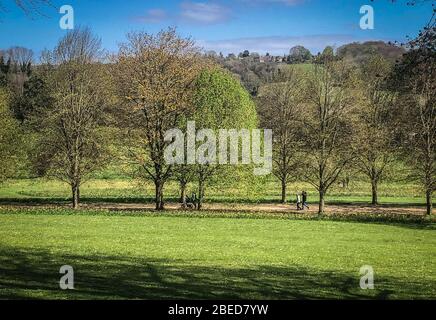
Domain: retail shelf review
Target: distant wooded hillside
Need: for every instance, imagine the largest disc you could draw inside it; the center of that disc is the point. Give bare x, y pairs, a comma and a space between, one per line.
358, 52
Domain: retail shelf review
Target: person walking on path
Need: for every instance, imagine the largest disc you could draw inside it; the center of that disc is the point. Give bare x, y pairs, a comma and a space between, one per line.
299, 202
304, 195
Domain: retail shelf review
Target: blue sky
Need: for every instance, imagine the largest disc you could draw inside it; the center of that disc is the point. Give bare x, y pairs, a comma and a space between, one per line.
228, 25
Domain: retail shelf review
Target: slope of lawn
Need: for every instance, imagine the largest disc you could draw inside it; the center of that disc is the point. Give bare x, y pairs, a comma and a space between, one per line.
151, 257
268, 191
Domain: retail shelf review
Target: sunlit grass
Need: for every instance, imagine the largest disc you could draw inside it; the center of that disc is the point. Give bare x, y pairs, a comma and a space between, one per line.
141, 256
125, 190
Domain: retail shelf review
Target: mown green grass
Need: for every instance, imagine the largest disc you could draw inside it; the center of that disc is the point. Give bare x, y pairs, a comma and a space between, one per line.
130, 190
144, 255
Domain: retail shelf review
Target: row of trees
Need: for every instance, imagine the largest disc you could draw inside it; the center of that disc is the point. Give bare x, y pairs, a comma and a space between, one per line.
80, 111
340, 117
78, 107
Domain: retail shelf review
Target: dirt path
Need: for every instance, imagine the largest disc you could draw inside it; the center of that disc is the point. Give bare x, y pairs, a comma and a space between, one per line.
278, 208
264, 207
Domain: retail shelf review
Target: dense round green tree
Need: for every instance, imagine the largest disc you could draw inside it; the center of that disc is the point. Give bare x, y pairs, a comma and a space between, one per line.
219, 102
299, 54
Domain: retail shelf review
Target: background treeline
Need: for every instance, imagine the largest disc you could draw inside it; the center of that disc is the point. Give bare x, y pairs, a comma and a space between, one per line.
333, 115
254, 70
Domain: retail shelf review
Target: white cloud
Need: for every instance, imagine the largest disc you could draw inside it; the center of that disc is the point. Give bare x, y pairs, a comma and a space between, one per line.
189, 12
153, 16
204, 13
285, 2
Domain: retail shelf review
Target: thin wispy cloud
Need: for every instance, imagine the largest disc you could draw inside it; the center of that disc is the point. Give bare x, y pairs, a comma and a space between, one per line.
204, 13
189, 13
288, 2
154, 16
284, 2
279, 45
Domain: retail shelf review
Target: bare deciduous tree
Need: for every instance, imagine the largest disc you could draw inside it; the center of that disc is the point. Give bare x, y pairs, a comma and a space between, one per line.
20, 56
280, 108
156, 75
183, 174
71, 142
27, 6
373, 145
415, 80
19, 60
327, 127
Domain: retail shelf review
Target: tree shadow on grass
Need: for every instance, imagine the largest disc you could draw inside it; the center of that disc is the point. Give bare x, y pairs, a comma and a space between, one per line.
35, 274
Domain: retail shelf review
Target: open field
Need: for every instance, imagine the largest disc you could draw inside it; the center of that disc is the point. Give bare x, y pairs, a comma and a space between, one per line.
126, 190
149, 256
245, 245
217, 150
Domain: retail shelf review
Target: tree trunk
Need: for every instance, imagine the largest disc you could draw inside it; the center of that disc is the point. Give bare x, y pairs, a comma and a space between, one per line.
374, 192
200, 194
75, 179
183, 194
321, 203
429, 202
76, 196
283, 191
159, 195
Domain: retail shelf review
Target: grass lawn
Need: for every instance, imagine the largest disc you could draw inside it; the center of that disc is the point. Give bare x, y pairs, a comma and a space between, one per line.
129, 190
145, 255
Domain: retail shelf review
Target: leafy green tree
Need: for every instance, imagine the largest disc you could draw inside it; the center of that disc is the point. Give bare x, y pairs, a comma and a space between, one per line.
328, 54
4, 69
36, 96
299, 54
10, 140
220, 102
328, 51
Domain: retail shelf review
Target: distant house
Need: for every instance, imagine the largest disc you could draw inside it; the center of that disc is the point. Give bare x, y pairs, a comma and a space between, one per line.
269, 58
